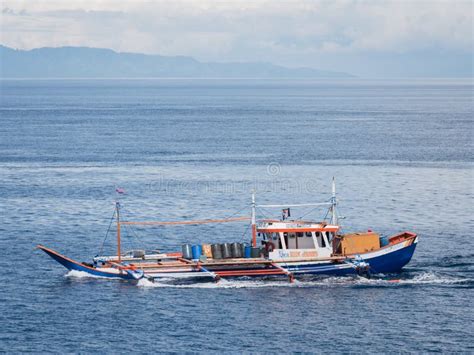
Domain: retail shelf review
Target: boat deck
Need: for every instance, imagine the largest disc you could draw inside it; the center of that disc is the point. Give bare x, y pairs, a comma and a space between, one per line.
234, 262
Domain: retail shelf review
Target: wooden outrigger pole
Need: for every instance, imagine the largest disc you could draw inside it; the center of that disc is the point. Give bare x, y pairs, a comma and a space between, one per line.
204, 221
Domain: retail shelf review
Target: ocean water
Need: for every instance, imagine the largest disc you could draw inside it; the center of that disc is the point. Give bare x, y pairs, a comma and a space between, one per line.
401, 152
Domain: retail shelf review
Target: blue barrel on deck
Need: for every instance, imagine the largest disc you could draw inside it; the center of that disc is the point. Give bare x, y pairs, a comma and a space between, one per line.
247, 251
197, 251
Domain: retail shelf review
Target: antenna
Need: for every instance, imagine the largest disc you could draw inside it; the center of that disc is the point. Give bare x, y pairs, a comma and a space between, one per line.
333, 203
254, 223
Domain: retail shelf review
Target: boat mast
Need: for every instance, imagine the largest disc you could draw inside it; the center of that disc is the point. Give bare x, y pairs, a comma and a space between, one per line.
333, 203
254, 224
119, 253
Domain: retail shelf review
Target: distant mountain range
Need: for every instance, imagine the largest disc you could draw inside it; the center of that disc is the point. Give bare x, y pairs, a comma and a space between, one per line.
84, 62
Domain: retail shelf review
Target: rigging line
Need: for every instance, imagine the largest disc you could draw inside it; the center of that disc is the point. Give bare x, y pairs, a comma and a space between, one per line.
129, 234
339, 215
131, 231
126, 236
123, 213
135, 234
263, 211
265, 214
307, 213
327, 212
245, 232
107, 233
238, 212
235, 213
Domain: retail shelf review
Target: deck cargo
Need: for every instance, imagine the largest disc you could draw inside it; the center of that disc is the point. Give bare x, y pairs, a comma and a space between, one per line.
356, 243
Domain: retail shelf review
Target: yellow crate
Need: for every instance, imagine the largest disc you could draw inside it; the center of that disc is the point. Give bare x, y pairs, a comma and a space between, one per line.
357, 243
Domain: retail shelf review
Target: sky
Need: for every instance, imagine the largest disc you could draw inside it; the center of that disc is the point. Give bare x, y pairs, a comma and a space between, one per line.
365, 38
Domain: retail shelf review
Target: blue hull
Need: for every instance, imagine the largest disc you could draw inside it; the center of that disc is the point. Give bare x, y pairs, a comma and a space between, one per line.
74, 265
390, 262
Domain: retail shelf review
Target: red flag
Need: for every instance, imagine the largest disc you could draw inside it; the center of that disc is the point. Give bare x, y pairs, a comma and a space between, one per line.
119, 190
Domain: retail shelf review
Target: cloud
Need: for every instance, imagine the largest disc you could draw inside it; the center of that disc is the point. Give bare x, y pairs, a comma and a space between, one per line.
277, 31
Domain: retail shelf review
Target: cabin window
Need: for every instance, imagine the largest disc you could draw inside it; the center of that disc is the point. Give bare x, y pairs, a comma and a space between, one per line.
323, 242
280, 243
329, 236
320, 240
308, 234
285, 238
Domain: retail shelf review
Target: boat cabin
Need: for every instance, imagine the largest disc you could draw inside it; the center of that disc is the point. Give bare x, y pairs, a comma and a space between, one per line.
297, 239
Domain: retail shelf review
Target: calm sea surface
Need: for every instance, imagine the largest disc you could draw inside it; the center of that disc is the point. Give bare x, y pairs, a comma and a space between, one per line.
402, 154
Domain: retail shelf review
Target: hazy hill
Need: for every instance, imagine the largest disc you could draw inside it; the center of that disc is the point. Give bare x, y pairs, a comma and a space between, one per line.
84, 62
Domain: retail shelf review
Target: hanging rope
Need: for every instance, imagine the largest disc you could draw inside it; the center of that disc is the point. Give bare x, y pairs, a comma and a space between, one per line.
132, 232
245, 232
310, 211
107, 233
263, 212
327, 212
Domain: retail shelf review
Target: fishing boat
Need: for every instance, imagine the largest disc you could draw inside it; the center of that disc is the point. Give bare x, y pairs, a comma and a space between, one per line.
277, 247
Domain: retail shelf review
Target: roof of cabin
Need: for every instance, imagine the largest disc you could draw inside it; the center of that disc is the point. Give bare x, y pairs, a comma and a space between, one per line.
270, 226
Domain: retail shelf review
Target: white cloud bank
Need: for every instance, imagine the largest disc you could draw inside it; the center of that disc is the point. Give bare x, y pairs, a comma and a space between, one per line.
295, 33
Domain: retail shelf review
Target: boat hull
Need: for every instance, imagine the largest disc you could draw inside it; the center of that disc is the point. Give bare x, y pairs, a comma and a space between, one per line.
388, 259
77, 266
